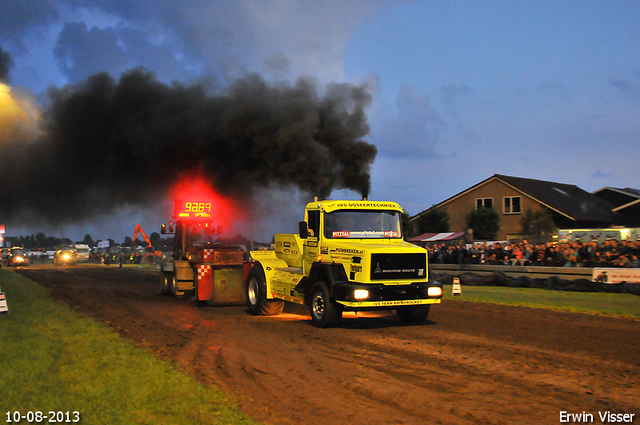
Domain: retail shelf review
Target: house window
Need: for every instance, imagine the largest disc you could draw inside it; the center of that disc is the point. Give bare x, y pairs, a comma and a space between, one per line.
512, 205
484, 203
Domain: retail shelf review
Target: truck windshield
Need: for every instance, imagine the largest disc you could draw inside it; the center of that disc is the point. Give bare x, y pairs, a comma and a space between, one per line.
199, 236
362, 225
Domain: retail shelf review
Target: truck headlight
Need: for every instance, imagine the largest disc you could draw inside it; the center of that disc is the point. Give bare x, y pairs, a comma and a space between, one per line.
361, 294
434, 291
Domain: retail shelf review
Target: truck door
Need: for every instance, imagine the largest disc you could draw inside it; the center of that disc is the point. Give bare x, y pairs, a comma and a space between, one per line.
311, 244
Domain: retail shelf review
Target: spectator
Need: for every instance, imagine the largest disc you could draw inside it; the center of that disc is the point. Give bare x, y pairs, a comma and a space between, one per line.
622, 261
538, 255
526, 253
475, 254
550, 255
588, 254
516, 256
500, 254
567, 254
490, 254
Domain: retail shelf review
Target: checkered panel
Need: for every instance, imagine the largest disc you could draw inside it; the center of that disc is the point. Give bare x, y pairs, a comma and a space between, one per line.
208, 255
204, 271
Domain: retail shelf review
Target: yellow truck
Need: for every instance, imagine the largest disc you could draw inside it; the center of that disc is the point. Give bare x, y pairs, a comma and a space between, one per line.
347, 256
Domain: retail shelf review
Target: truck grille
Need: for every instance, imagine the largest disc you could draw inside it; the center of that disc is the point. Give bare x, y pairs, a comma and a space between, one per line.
398, 266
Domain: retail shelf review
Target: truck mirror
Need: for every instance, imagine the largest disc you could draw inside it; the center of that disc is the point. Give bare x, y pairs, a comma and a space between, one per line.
304, 230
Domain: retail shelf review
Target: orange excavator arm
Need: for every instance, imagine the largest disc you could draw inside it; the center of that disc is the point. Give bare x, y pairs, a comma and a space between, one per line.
144, 235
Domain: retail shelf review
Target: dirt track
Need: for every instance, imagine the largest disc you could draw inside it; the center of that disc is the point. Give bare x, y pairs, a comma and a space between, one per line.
469, 364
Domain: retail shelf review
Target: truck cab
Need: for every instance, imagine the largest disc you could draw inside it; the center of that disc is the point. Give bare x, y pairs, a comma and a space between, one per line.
347, 256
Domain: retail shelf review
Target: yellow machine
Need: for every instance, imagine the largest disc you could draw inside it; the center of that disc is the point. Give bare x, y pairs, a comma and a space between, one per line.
347, 256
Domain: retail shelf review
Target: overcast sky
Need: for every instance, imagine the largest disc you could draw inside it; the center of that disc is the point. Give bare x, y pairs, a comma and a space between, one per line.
461, 90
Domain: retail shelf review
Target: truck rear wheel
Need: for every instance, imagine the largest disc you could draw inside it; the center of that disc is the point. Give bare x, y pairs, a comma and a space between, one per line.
324, 312
167, 284
256, 291
416, 314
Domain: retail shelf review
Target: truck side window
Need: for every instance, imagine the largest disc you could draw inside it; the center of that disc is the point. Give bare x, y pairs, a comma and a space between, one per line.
314, 223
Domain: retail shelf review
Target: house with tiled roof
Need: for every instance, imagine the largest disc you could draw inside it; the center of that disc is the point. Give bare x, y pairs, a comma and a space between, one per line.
626, 204
570, 206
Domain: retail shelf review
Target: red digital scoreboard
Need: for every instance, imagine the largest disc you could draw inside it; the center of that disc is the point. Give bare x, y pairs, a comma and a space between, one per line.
192, 210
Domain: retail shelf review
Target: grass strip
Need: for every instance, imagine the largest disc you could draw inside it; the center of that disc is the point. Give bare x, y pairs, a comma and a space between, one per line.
54, 359
600, 303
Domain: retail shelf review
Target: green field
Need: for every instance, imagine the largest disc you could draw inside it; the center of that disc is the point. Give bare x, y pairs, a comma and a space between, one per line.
601, 303
54, 359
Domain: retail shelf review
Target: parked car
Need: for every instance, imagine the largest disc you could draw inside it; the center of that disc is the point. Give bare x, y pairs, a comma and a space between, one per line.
17, 257
65, 256
37, 256
83, 251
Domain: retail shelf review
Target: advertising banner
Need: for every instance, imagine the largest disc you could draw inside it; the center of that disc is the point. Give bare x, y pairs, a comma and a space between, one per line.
612, 275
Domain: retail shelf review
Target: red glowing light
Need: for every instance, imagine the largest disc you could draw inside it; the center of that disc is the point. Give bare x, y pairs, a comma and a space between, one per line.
195, 199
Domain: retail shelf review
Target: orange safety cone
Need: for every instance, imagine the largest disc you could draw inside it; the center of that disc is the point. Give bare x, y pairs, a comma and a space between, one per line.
457, 289
3, 303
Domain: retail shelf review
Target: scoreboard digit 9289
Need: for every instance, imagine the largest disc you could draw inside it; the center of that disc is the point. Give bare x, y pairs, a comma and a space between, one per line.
192, 209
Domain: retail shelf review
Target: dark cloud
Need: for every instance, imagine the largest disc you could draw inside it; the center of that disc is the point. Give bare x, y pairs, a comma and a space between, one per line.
160, 57
81, 52
215, 33
227, 39
451, 94
113, 143
278, 63
18, 16
625, 86
5, 65
415, 131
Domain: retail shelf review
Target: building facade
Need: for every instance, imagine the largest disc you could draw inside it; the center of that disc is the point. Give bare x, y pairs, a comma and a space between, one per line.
511, 197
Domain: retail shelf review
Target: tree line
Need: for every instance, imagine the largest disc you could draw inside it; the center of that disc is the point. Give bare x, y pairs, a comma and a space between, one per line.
41, 240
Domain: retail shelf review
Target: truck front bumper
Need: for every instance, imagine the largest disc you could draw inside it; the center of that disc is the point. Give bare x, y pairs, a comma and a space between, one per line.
349, 295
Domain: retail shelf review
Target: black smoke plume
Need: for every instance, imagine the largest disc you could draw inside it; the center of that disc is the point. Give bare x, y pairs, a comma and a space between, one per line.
5, 64
111, 143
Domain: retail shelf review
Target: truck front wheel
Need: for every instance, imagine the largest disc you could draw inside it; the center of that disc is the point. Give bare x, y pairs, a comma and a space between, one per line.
256, 291
417, 314
324, 312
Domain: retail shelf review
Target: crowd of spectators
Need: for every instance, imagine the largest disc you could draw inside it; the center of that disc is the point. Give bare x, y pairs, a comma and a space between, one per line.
564, 254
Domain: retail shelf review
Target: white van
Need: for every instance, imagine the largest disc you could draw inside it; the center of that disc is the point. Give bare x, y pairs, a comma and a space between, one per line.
83, 251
